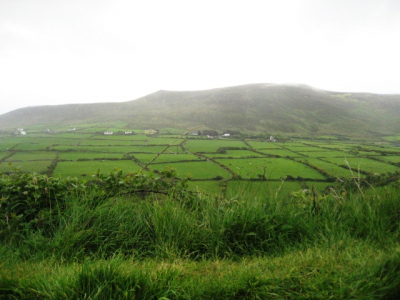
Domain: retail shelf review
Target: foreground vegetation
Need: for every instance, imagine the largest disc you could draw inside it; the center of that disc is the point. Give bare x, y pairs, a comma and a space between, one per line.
145, 236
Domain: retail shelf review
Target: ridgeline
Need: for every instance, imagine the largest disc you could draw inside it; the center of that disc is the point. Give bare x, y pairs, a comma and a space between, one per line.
292, 109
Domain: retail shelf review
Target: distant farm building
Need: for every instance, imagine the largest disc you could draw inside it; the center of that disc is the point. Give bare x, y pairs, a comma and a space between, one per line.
108, 132
128, 132
71, 129
20, 131
150, 131
226, 135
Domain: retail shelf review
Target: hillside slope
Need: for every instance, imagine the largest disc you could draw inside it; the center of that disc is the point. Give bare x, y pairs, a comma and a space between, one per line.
255, 107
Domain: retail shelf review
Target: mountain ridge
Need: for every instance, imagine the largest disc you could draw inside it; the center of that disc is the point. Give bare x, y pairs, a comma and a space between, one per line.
265, 107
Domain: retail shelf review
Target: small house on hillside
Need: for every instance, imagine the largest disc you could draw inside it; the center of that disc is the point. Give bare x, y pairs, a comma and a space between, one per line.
108, 132
150, 131
20, 131
128, 132
226, 135
71, 129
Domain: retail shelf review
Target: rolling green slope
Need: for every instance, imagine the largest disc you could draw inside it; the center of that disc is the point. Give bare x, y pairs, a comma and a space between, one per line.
255, 107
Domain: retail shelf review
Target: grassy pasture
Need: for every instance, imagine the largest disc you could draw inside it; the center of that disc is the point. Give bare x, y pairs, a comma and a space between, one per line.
145, 157
275, 168
332, 146
234, 154
212, 145
74, 135
381, 149
368, 153
393, 159
165, 141
106, 142
372, 147
327, 137
74, 146
196, 170
290, 144
331, 153
175, 136
304, 148
110, 149
32, 146
87, 168
331, 168
47, 140
365, 164
392, 138
264, 145
32, 155
57, 141
26, 166
390, 151
4, 154
122, 137
281, 152
88, 155
8, 143
176, 149
93, 130
391, 147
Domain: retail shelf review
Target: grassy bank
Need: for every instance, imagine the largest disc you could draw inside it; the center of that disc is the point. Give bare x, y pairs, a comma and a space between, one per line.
145, 237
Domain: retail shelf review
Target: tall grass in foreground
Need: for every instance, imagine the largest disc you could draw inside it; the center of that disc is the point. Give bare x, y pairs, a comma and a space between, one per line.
192, 246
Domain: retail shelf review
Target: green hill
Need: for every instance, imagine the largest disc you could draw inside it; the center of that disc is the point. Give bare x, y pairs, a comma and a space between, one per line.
297, 109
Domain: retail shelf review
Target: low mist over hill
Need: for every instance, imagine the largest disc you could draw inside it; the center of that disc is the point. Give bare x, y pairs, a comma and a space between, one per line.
272, 108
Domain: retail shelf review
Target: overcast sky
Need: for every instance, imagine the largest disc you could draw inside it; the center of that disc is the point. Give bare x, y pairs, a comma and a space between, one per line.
81, 51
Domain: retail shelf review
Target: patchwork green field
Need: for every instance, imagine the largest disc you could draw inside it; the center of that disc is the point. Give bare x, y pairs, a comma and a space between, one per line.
270, 168
212, 145
331, 168
216, 164
31, 155
26, 166
196, 170
365, 164
72, 155
235, 154
165, 158
281, 152
391, 159
88, 168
